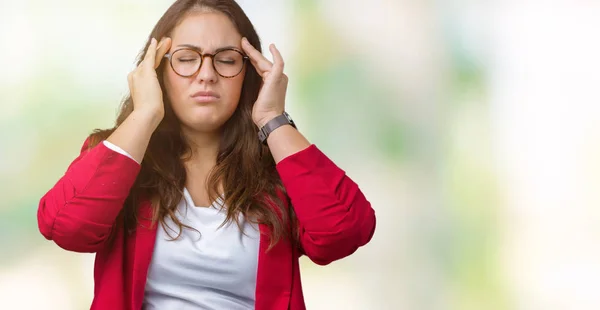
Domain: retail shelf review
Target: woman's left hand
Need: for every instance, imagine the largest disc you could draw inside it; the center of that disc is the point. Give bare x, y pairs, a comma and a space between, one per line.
271, 98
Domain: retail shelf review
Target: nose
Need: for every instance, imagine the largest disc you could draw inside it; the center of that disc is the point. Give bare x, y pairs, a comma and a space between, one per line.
207, 72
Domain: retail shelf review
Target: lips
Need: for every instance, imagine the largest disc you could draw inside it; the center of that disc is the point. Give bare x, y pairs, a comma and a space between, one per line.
205, 96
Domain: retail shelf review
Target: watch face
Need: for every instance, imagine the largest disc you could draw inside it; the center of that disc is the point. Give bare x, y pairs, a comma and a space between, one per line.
288, 117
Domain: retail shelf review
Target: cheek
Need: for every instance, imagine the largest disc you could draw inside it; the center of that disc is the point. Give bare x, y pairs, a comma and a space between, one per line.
174, 86
233, 88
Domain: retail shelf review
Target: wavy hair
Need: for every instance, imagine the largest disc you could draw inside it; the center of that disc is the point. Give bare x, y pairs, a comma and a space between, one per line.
245, 168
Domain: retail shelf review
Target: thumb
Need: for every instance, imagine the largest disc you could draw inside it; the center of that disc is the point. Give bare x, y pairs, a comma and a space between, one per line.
149, 58
162, 49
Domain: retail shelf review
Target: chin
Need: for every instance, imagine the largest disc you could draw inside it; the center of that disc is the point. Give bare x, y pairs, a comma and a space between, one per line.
204, 118
203, 124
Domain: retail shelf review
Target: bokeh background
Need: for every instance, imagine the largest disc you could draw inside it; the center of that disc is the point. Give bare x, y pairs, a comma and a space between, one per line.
472, 126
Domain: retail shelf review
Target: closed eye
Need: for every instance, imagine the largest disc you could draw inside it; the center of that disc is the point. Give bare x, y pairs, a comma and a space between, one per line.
226, 62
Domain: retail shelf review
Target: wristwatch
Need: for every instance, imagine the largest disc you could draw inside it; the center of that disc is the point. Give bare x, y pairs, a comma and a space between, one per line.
273, 124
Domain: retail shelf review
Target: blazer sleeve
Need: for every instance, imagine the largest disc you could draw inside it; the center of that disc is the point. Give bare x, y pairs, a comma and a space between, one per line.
78, 212
334, 217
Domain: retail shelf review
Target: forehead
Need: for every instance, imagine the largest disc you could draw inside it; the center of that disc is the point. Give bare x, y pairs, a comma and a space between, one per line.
207, 30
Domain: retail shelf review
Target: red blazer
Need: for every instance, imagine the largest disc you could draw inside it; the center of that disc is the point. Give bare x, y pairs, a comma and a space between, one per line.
79, 211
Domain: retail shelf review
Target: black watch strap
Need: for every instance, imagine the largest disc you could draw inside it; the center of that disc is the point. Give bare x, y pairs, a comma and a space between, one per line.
283, 119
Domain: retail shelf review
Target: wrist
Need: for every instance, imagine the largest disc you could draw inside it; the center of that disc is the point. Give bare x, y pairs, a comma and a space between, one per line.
272, 124
149, 118
264, 119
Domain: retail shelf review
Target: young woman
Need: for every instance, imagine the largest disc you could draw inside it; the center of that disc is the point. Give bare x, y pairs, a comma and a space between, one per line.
204, 195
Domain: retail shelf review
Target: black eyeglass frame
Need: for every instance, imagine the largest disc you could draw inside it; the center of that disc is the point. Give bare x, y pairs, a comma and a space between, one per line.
212, 58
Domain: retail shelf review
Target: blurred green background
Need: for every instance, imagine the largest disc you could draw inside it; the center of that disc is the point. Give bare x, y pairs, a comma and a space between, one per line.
471, 126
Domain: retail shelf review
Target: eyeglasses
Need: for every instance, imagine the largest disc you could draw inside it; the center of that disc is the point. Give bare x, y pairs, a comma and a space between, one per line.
227, 62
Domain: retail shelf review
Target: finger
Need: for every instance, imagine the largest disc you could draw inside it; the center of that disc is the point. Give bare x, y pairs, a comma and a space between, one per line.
261, 67
278, 63
150, 53
162, 48
258, 69
256, 58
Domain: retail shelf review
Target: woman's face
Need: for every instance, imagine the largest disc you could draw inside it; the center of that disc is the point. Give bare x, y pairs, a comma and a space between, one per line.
204, 101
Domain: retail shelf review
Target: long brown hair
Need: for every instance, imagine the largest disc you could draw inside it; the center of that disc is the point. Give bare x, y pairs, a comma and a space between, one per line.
245, 167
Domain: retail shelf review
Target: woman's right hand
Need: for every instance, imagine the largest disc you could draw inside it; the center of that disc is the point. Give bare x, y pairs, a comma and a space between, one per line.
143, 82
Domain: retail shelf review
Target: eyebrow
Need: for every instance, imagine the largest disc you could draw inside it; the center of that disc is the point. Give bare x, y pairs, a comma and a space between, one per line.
198, 48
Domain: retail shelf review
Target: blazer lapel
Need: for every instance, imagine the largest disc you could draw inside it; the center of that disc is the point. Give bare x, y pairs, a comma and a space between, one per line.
273, 279
145, 236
